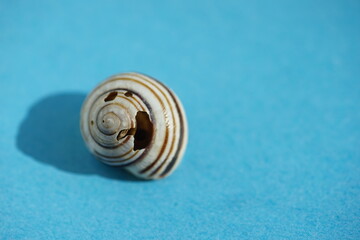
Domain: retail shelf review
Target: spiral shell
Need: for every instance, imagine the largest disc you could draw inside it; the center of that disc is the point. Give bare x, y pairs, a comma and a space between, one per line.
134, 121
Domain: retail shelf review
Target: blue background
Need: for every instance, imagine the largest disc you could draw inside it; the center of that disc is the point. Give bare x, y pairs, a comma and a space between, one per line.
272, 94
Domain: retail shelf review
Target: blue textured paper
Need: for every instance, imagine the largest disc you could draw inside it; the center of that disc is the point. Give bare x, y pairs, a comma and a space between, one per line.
272, 94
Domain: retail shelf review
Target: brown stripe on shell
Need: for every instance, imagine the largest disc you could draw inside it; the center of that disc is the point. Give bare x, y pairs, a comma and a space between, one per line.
119, 161
173, 117
115, 157
118, 156
181, 140
129, 99
136, 100
155, 161
179, 147
174, 159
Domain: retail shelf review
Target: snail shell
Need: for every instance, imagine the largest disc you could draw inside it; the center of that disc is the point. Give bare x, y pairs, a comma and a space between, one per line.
134, 121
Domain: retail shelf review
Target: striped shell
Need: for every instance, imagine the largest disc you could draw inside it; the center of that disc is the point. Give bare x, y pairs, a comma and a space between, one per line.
134, 121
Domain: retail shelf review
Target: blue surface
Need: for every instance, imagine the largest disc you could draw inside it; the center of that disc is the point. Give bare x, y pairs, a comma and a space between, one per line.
272, 94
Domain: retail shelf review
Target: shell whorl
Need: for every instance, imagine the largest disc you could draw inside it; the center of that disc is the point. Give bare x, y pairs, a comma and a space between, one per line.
134, 121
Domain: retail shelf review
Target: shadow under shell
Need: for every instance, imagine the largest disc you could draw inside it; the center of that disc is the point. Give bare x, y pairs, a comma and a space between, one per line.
50, 134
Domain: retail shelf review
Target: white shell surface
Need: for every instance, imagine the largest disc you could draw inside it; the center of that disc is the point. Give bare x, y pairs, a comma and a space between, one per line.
134, 121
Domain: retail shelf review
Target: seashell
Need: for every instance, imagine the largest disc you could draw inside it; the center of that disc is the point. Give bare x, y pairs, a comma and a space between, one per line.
134, 121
